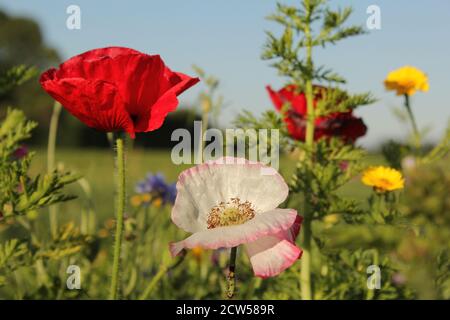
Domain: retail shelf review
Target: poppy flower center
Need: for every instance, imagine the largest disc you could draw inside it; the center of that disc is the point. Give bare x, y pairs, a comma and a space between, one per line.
233, 212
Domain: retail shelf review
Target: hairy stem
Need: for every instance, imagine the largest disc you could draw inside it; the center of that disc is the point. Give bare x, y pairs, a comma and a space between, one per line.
53, 210
231, 279
305, 274
120, 198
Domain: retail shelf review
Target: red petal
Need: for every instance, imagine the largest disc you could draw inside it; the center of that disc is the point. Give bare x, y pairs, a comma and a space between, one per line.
147, 87
96, 103
99, 53
343, 125
288, 95
166, 103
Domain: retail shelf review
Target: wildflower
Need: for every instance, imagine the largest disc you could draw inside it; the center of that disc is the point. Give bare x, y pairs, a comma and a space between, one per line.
20, 152
117, 89
136, 200
157, 202
343, 165
130, 229
110, 223
398, 279
331, 219
409, 163
154, 189
228, 202
406, 81
197, 252
103, 233
338, 124
146, 197
383, 179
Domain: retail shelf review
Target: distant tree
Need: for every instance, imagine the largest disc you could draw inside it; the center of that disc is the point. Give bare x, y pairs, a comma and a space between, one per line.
22, 42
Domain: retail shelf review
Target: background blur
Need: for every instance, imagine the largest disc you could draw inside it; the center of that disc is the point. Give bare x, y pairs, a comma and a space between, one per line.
226, 38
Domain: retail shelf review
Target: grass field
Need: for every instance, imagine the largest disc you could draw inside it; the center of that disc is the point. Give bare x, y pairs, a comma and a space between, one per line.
96, 166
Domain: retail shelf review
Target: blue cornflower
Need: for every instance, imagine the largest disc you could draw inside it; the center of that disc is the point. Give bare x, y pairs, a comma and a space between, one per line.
156, 186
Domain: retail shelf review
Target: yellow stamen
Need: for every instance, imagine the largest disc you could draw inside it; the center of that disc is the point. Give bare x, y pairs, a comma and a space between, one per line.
230, 213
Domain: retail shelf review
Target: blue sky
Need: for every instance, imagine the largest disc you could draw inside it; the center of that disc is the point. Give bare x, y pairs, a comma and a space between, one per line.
226, 39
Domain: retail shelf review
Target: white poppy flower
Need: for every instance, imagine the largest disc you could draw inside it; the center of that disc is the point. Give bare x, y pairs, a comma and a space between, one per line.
228, 202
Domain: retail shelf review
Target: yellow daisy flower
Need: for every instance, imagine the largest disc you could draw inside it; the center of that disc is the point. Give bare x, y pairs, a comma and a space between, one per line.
383, 178
136, 200
406, 80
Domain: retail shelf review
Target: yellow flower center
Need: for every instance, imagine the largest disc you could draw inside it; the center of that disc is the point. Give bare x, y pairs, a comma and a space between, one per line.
233, 212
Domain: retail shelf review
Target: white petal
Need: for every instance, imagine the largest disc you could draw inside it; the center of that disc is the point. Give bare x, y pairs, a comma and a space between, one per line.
271, 255
204, 186
265, 224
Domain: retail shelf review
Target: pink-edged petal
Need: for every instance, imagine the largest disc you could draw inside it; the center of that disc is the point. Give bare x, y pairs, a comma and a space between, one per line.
270, 256
204, 186
264, 224
291, 233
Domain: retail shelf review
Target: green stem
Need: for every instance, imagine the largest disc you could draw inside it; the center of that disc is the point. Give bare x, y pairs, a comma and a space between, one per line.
305, 274
310, 111
53, 210
114, 290
161, 272
231, 279
305, 271
205, 117
412, 119
152, 284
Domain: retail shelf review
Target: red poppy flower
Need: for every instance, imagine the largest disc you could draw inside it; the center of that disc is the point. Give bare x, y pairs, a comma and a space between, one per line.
115, 88
339, 124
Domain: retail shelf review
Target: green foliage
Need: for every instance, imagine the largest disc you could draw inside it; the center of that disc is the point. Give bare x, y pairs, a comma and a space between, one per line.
68, 241
431, 184
405, 233
320, 177
440, 150
344, 232
210, 101
14, 77
20, 193
337, 100
269, 120
12, 255
298, 35
395, 152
